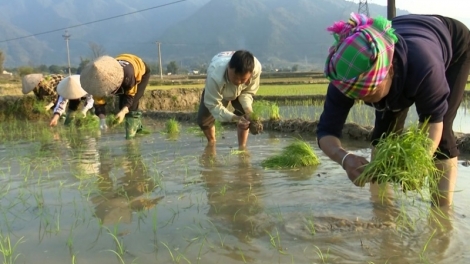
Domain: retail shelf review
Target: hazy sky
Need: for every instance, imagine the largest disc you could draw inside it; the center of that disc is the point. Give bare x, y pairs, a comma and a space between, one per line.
453, 8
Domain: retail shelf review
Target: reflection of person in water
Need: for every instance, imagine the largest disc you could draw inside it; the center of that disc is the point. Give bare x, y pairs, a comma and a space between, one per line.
433, 235
131, 192
85, 159
234, 194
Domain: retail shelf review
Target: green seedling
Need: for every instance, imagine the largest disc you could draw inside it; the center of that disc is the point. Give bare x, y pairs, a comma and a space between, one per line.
297, 154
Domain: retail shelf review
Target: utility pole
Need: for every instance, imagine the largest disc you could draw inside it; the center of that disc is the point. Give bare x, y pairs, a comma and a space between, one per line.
391, 9
160, 59
363, 7
67, 37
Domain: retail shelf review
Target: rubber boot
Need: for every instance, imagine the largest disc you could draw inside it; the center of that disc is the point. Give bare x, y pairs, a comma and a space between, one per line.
133, 123
69, 118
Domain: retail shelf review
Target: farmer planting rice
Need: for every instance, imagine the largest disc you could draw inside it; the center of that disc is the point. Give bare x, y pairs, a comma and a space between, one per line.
126, 76
71, 92
44, 87
231, 77
391, 65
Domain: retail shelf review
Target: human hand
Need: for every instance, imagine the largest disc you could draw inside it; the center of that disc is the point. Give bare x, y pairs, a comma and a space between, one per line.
103, 125
120, 116
83, 112
243, 123
47, 107
54, 120
354, 166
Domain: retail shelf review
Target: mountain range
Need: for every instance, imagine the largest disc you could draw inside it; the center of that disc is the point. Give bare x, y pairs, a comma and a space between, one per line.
278, 32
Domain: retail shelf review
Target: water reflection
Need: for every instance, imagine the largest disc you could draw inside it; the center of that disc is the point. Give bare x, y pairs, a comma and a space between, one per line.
121, 195
428, 240
234, 194
84, 158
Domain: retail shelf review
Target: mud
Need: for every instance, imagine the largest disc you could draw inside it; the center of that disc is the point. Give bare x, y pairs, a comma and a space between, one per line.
305, 228
181, 104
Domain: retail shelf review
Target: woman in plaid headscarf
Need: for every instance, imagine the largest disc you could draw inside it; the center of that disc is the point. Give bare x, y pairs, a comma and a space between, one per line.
391, 65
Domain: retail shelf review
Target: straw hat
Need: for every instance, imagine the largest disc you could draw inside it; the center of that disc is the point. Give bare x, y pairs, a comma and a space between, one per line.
70, 88
30, 81
102, 76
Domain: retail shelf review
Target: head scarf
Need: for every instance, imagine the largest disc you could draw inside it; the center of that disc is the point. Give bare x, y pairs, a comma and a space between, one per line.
360, 58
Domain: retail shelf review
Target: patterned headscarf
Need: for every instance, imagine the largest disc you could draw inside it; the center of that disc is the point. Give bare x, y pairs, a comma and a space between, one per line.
360, 58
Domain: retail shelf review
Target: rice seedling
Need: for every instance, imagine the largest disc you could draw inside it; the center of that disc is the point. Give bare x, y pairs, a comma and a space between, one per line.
87, 122
274, 112
172, 127
423, 251
8, 249
297, 154
221, 239
404, 160
323, 257
177, 258
112, 121
120, 249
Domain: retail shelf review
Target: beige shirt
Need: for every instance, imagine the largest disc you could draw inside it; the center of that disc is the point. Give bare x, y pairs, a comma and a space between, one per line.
219, 88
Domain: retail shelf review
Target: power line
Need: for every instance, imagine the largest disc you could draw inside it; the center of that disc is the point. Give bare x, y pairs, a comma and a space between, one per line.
92, 22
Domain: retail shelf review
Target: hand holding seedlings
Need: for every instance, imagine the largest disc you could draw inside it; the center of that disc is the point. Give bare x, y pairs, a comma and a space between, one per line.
243, 124
120, 116
354, 166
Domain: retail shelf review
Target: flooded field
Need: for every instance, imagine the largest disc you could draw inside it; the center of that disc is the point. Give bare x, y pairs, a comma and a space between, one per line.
365, 115
91, 197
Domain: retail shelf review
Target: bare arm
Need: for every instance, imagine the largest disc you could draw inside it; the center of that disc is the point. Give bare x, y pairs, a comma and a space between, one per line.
351, 163
435, 134
331, 146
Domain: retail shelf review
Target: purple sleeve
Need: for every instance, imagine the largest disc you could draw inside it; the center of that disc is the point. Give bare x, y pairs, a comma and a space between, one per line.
335, 112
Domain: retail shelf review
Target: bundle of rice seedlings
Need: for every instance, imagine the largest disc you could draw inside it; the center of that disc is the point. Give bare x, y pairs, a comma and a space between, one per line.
111, 120
172, 126
256, 126
274, 112
87, 122
404, 160
298, 154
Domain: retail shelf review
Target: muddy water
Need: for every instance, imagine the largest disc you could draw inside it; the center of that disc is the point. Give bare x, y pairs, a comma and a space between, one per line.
97, 198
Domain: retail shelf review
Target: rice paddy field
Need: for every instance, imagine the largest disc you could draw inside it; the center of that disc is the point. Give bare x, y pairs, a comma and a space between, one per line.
85, 196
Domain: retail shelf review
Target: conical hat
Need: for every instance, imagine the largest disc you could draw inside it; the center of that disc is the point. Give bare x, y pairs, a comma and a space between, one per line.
70, 88
30, 81
102, 76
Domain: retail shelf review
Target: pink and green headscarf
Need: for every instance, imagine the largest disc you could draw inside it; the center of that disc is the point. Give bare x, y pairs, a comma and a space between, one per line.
360, 58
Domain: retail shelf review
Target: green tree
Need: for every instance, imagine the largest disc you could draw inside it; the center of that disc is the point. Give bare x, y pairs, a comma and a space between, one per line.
172, 67
24, 70
83, 63
2, 60
55, 69
42, 68
154, 68
295, 68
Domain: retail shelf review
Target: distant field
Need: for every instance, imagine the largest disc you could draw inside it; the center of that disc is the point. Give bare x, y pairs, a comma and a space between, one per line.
269, 86
288, 89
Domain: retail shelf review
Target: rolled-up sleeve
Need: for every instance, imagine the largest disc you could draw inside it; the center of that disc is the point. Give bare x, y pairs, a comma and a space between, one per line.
89, 102
213, 101
246, 96
61, 105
